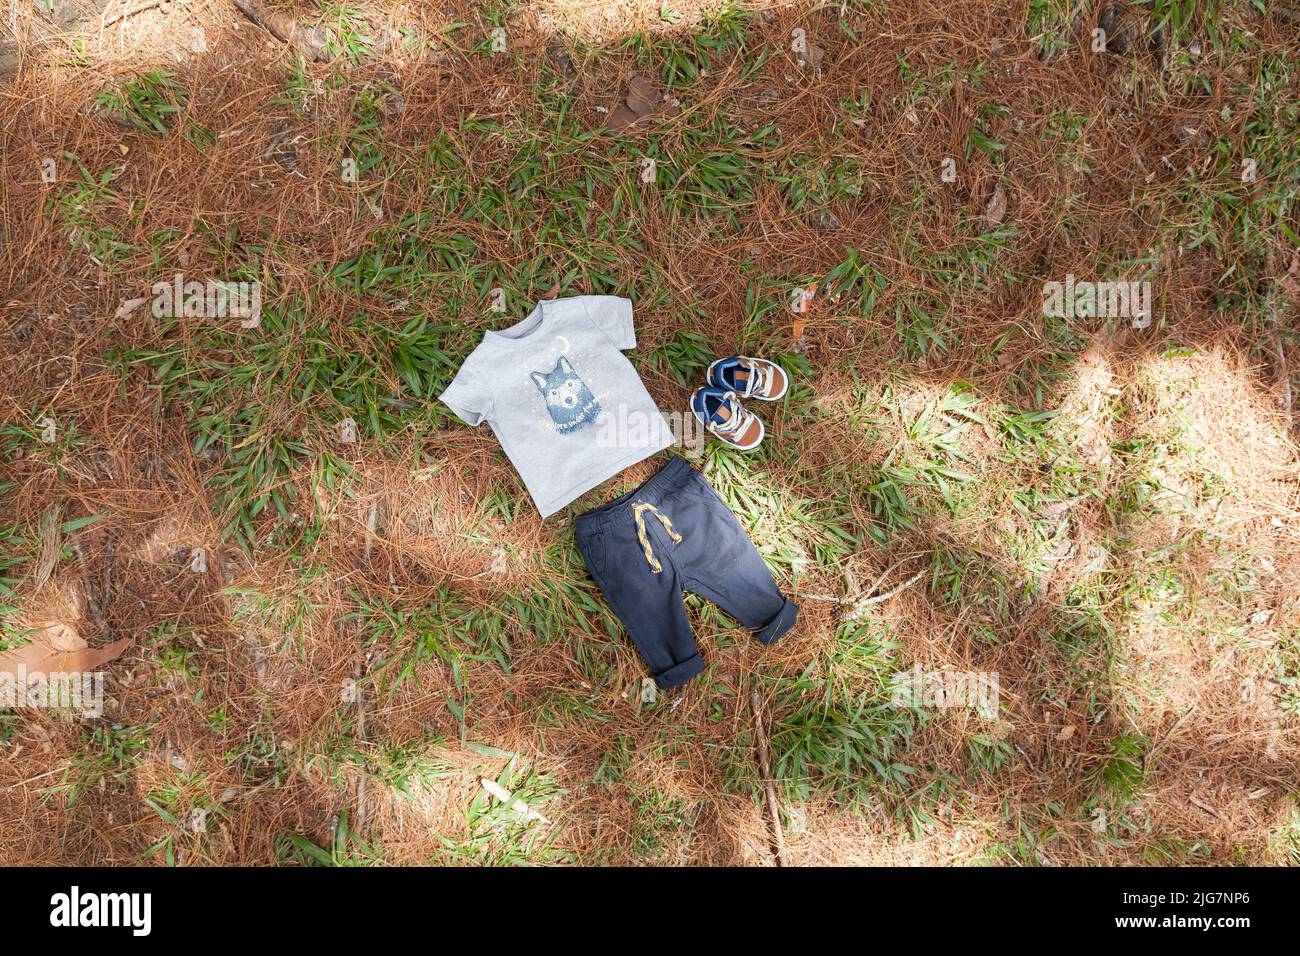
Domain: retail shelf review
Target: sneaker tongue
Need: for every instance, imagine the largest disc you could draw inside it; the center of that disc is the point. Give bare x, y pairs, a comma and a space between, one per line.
756, 378
727, 423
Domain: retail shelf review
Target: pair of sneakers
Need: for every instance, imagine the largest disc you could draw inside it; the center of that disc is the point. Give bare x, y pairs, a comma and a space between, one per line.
717, 404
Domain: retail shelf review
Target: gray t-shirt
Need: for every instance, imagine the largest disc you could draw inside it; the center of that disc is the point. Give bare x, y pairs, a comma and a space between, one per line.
565, 403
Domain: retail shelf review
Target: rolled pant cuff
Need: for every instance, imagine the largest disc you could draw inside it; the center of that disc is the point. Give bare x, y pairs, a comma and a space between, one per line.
679, 674
785, 619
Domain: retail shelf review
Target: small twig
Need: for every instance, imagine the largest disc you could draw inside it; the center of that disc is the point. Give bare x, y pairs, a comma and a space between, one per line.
359, 672
126, 14
828, 598
372, 525
254, 791
862, 599
1279, 357
311, 42
878, 582
1273, 306
106, 582
1205, 806
1150, 755
1160, 42
765, 765
865, 602
97, 595
51, 545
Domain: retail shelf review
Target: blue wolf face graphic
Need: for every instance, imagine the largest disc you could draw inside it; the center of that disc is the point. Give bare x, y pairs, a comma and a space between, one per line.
570, 402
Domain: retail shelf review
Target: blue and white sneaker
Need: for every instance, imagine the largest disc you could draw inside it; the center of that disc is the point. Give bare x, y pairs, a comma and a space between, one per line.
723, 417
749, 377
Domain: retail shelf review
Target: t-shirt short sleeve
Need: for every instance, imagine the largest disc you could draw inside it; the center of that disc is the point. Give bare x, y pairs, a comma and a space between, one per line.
468, 395
613, 315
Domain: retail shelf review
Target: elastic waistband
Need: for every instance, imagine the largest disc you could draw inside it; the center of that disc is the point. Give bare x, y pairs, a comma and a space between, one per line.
668, 478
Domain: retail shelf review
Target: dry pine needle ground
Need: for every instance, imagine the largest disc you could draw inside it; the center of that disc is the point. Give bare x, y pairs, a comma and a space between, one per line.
382, 654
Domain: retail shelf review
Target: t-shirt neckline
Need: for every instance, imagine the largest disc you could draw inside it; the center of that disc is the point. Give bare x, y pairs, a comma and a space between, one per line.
526, 329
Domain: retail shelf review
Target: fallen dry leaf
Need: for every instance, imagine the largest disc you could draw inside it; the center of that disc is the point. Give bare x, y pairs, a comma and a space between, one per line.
621, 118
57, 648
128, 306
642, 97
649, 690
62, 637
641, 100
996, 210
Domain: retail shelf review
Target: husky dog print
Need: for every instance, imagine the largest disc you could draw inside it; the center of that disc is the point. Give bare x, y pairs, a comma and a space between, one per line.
570, 402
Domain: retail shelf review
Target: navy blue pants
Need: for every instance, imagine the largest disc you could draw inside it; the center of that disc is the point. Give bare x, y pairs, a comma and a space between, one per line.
675, 534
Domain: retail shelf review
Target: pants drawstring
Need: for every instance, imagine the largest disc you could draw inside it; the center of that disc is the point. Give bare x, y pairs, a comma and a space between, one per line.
638, 511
